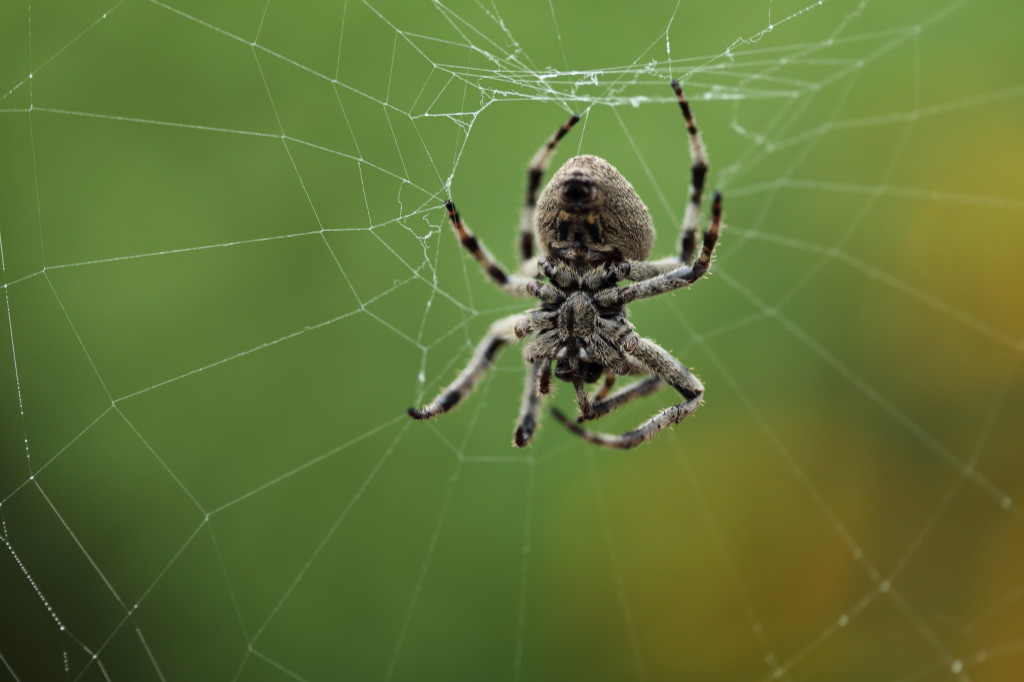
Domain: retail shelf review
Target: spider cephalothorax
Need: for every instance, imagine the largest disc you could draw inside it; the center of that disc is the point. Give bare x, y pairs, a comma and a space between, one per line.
581, 323
595, 232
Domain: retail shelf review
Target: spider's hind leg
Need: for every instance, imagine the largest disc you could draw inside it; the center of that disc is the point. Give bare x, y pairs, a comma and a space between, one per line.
534, 175
698, 173
688, 251
512, 284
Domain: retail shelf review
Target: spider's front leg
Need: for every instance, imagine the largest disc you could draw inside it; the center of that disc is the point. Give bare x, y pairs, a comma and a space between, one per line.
601, 403
537, 382
503, 332
605, 404
665, 368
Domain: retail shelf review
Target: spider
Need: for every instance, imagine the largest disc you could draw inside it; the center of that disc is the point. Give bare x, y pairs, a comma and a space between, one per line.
594, 232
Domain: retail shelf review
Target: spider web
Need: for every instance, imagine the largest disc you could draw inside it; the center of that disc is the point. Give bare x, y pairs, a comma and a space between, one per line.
227, 272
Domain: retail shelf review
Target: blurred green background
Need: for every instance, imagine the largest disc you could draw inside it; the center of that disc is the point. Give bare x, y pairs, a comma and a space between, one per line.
227, 272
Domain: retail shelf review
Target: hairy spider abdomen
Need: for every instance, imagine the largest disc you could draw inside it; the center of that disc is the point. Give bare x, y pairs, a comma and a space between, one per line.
590, 212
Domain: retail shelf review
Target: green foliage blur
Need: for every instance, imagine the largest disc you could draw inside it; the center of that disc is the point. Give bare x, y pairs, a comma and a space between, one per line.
227, 272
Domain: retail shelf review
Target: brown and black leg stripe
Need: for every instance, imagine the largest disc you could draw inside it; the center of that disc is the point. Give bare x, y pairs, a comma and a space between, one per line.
473, 245
698, 174
710, 238
534, 176
682, 276
500, 334
538, 375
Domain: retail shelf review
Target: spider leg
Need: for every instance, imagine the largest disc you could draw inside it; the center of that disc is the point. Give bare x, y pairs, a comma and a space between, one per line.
501, 333
666, 368
602, 393
582, 399
682, 275
698, 174
639, 389
539, 375
601, 404
512, 284
534, 175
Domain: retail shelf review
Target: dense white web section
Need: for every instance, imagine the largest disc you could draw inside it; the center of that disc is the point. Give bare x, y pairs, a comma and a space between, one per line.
415, 110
